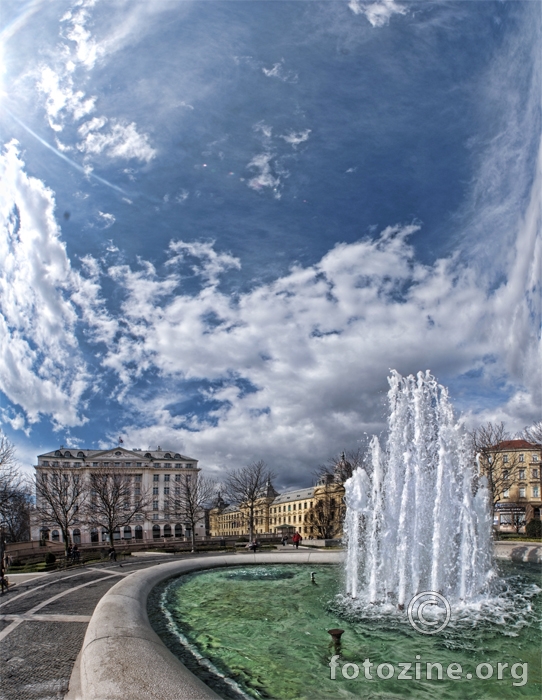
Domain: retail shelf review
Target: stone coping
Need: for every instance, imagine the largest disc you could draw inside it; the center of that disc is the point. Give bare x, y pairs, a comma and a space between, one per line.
122, 657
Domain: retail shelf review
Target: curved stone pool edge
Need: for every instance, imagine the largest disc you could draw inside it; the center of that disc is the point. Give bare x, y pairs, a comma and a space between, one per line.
122, 657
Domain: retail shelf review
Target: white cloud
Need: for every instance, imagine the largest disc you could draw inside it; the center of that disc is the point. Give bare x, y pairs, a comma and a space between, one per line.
294, 138
378, 13
278, 71
41, 369
107, 219
64, 103
265, 177
121, 140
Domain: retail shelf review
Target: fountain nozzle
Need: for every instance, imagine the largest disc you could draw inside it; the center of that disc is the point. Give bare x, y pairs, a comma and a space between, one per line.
313, 580
336, 636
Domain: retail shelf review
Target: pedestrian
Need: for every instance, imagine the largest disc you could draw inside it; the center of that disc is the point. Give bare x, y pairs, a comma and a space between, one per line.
296, 539
69, 553
75, 553
284, 540
112, 554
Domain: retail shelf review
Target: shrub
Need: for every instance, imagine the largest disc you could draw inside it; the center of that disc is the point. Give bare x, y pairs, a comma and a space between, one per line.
50, 558
534, 529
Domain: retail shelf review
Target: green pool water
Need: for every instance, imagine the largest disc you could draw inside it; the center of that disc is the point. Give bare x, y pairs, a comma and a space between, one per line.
262, 632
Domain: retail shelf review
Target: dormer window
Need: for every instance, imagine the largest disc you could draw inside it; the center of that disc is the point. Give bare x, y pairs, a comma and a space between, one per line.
57, 453
67, 454
148, 455
167, 456
81, 455
177, 456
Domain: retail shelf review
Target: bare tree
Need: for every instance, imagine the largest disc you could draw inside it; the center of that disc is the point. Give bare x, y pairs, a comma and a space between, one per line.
246, 486
533, 433
341, 468
114, 501
194, 496
10, 478
16, 514
499, 468
61, 496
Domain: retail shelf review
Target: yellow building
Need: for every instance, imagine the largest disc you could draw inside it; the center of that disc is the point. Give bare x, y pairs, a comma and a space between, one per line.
315, 512
514, 468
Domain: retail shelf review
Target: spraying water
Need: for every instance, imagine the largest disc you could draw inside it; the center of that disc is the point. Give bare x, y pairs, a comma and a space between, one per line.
422, 520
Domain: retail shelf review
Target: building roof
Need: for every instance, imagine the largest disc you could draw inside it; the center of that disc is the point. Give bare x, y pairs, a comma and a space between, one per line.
516, 445
294, 495
112, 452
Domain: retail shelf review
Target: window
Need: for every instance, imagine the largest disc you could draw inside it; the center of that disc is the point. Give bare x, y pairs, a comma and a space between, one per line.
156, 477
117, 464
521, 458
505, 474
166, 477
156, 531
167, 530
522, 491
106, 464
138, 477
522, 473
127, 532
294, 506
177, 490
155, 490
305, 504
535, 458
289, 507
535, 473
155, 505
166, 490
536, 492
177, 477
55, 536
94, 464
157, 465
506, 493
167, 465
128, 464
137, 491
505, 459
138, 464
138, 532
155, 516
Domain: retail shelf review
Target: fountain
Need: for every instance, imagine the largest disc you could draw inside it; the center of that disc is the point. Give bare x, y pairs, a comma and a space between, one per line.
420, 520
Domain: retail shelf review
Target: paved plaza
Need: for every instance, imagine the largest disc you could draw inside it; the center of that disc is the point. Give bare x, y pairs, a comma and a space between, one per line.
43, 622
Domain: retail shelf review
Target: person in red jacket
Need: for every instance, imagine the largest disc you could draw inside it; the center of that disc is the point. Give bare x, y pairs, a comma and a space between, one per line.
296, 539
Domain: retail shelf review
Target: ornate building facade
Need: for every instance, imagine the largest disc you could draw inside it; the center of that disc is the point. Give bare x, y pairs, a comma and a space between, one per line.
155, 473
516, 471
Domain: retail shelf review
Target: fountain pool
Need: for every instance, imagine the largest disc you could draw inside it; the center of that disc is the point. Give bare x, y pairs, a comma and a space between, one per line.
261, 632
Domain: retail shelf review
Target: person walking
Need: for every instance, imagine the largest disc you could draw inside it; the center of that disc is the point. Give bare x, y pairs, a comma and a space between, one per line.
284, 540
296, 539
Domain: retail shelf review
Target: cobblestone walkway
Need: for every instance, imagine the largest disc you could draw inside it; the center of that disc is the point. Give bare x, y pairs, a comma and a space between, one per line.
43, 623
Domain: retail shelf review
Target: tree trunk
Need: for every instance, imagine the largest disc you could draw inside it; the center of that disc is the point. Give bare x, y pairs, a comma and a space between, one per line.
193, 533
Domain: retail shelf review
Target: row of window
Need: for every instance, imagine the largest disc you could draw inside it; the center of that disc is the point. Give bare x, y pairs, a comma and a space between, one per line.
166, 465
534, 458
178, 477
535, 492
521, 474
277, 509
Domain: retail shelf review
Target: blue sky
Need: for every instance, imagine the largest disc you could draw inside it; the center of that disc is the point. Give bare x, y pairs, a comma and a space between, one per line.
224, 222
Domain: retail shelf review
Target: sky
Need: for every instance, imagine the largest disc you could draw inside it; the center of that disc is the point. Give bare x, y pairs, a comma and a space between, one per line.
222, 223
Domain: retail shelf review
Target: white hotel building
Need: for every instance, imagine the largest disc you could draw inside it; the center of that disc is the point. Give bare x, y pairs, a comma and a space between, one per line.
154, 472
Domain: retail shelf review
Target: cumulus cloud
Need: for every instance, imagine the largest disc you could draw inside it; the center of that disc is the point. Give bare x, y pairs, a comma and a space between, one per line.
378, 13
41, 369
303, 358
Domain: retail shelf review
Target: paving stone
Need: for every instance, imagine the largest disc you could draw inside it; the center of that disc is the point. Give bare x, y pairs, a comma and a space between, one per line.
83, 604
37, 658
